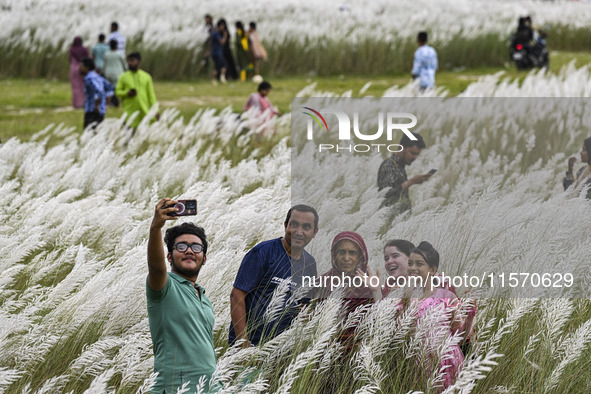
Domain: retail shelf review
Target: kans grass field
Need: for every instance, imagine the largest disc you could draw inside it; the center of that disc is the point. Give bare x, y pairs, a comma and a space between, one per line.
77, 206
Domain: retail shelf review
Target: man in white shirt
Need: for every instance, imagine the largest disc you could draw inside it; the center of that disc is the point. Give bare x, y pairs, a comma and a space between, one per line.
115, 35
425, 63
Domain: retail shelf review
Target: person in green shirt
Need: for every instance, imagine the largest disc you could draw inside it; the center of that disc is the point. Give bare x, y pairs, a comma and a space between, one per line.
136, 90
180, 315
98, 52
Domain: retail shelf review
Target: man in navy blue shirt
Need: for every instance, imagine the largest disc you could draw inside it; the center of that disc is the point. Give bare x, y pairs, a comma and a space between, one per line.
278, 264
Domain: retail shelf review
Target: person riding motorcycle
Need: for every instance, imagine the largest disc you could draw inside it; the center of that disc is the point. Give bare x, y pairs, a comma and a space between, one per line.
533, 42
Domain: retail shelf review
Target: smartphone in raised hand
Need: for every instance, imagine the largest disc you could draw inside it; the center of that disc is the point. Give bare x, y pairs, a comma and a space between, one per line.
184, 208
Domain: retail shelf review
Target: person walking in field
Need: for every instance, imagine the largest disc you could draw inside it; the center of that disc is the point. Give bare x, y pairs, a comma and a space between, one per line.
75, 55
136, 90
206, 48
117, 36
231, 72
96, 92
98, 53
425, 63
257, 49
180, 315
114, 65
218, 39
264, 268
243, 55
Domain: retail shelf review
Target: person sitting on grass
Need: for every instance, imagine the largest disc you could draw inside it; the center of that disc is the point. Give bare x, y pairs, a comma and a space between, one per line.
260, 102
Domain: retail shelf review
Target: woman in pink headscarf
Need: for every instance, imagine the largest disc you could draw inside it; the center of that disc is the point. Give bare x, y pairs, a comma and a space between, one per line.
349, 258
76, 54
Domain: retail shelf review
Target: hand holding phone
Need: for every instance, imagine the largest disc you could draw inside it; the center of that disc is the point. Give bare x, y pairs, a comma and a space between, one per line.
433, 171
183, 208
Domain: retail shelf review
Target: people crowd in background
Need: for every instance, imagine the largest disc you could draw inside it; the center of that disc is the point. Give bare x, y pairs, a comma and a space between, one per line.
249, 50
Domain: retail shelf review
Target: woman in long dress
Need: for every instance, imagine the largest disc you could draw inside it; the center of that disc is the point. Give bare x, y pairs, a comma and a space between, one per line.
231, 72
76, 54
257, 49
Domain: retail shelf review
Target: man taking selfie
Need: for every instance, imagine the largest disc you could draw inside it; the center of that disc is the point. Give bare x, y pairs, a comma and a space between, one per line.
180, 315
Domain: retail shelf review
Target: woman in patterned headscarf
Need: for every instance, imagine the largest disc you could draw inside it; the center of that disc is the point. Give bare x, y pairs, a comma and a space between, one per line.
349, 258
76, 54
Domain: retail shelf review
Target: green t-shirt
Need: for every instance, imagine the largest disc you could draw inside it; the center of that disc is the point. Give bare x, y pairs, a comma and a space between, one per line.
181, 325
141, 81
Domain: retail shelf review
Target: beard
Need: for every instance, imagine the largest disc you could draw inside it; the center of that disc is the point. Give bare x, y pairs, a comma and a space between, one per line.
184, 271
134, 68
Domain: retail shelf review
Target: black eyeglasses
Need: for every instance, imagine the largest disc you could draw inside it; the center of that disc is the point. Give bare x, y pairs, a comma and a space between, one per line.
183, 247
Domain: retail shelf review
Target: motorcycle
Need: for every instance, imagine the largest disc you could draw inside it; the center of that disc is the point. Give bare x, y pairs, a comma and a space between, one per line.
526, 56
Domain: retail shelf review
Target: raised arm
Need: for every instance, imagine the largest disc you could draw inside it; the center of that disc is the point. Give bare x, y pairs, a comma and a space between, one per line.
157, 273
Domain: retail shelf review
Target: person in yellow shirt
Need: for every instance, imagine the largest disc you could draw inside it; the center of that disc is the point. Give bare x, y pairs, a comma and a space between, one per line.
136, 91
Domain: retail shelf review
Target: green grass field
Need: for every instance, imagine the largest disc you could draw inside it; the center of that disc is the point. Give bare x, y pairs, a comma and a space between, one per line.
28, 106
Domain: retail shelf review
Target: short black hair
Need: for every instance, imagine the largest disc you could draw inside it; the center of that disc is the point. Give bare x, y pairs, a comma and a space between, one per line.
406, 142
101, 37
135, 55
184, 228
253, 25
88, 63
423, 37
302, 208
264, 86
113, 44
114, 25
429, 253
402, 245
